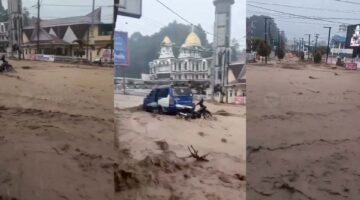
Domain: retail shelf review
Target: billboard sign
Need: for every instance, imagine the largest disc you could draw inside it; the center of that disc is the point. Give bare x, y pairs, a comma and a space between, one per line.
121, 49
351, 66
342, 51
42, 57
240, 100
353, 36
129, 8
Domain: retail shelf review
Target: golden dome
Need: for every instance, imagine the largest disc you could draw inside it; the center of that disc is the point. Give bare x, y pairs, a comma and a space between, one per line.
166, 41
192, 40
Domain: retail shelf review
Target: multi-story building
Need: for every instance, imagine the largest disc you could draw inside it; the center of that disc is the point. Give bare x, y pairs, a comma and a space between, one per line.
188, 66
84, 36
4, 39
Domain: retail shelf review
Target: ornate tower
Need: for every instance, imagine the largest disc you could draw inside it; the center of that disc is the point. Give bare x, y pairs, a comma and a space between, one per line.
166, 50
222, 31
15, 26
191, 47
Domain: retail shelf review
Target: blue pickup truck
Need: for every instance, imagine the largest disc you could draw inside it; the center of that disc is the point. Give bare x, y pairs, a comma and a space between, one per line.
168, 99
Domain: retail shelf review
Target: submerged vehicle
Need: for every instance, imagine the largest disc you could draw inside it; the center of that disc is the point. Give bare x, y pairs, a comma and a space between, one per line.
191, 113
168, 99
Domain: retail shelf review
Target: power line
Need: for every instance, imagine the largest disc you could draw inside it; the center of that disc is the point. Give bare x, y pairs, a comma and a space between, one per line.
183, 18
301, 16
75, 6
350, 2
304, 7
289, 17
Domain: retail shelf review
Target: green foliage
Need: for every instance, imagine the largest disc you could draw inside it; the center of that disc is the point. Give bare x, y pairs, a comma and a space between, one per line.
302, 56
235, 50
263, 49
144, 49
318, 57
26, 17
280, 52
4, 16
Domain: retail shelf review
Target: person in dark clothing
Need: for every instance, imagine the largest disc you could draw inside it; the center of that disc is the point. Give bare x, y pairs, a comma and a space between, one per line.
2, 66
201, 104
3, 59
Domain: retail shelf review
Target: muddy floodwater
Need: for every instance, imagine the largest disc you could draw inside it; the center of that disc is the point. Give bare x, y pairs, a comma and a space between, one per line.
57, 132
153, 153
303, 132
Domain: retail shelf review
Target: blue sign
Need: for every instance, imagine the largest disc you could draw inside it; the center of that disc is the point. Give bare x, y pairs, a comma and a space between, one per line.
121, 49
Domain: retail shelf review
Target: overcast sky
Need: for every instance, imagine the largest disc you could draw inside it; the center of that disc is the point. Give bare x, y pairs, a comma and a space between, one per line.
67, 8
154, 17
201, 12
295, 27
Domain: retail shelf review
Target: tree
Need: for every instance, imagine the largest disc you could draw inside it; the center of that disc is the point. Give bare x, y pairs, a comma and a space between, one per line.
4, 15
318, 56
235, 50
263, 49
280, 52
81, 51
26, 17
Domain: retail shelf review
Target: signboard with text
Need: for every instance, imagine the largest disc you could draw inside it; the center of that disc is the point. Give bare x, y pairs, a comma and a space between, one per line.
240, 100
121, 49
342, 51
42, 57
353, 36
351, 66
129, 8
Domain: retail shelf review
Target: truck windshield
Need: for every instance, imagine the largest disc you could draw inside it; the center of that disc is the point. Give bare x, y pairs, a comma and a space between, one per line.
182, 92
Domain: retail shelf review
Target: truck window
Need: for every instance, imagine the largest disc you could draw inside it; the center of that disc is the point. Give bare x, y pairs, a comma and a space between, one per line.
163, 93
152, 93
182, 92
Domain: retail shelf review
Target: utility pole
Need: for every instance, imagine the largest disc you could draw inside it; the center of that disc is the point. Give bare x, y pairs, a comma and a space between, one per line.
266, 18
92, 28
115, 9
251, 36
38, 27
299, 47
316, 39
294, 44
88, 33
328, 45
279, 39
302, 44
308, 51
269, 32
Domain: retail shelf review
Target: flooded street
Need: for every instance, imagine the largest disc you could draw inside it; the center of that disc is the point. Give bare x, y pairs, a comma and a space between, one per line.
57, 132
304, 128
153, 151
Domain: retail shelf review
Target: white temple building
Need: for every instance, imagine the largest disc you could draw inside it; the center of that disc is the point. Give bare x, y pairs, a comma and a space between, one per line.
188, 66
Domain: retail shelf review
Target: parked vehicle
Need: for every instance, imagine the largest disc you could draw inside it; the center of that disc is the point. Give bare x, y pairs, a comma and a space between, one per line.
168, 99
